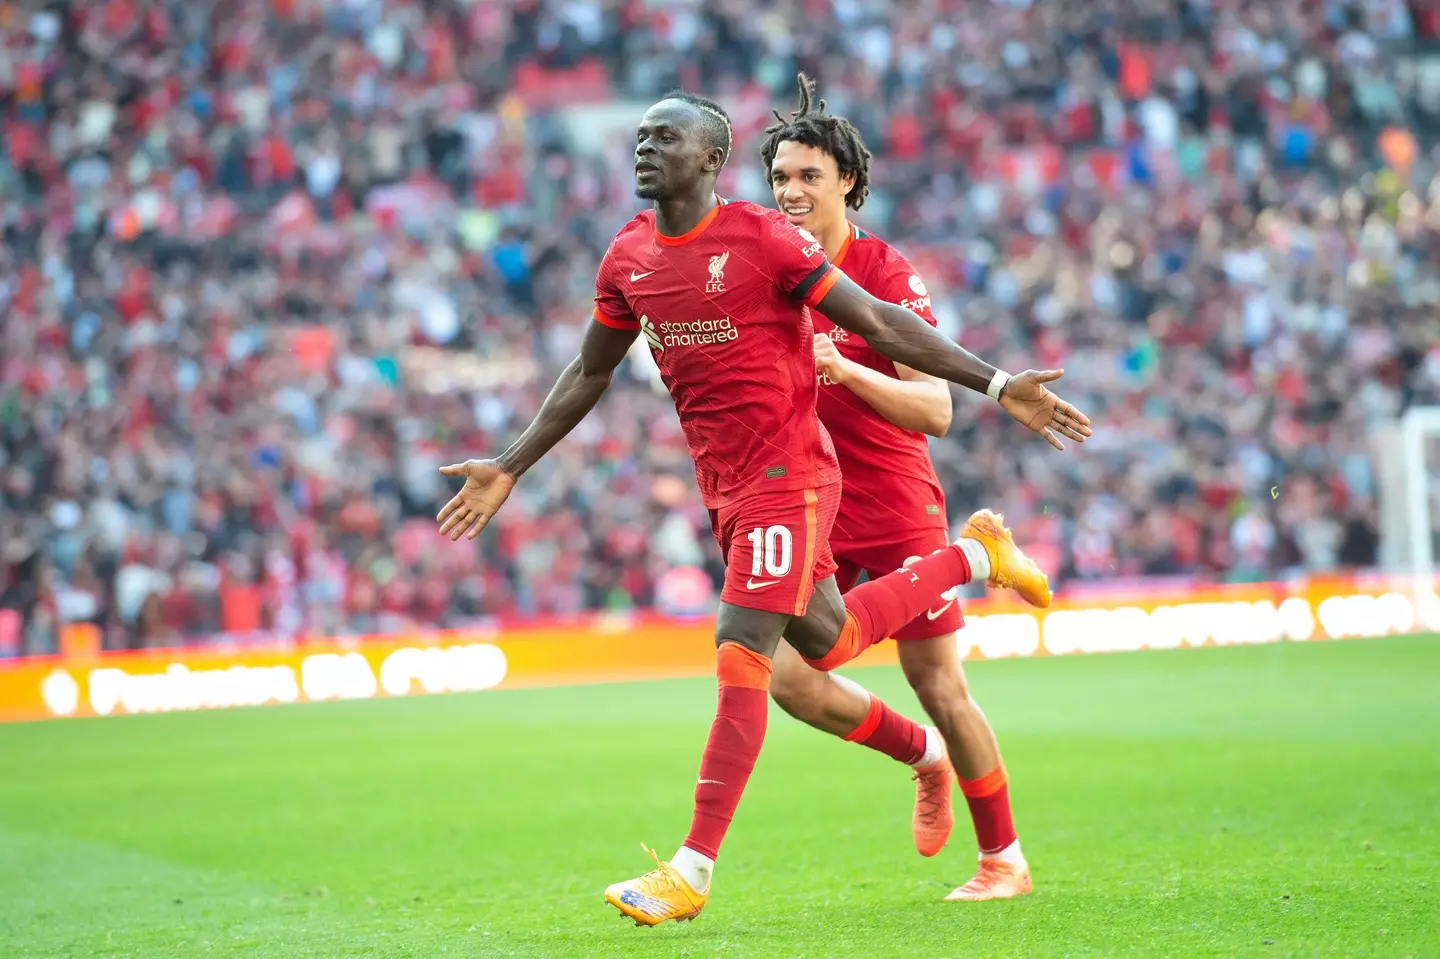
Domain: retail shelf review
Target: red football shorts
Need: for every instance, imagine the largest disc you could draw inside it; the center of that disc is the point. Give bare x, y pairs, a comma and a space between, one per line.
876, 558
776, 547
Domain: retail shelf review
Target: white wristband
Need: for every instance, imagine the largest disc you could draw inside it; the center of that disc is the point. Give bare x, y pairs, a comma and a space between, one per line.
997, 383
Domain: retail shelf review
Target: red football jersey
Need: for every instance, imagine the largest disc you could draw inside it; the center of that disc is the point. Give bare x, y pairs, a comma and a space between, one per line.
725, 310
890, 483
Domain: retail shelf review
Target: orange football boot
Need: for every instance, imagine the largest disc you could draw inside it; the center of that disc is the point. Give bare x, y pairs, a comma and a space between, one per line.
994, 880
934, 816
658, 896
1010, 568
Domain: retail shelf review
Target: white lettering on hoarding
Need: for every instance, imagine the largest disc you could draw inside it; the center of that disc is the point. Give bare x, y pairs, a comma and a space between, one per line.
337, 676
1298, 619
1000, 635
1427, 610
1122, 628
60, 693
179, 687
323, 676
412, 670
456, 669
1364, 615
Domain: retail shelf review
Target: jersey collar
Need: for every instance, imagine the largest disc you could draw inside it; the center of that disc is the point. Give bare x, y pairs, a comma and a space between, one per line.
694, 231
850, 237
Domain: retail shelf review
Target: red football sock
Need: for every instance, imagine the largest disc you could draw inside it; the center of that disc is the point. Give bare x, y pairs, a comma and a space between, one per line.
733, 746
989, 800
886, 731
876, 609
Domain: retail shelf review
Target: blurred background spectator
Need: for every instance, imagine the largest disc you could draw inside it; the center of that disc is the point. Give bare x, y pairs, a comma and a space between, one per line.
266, 265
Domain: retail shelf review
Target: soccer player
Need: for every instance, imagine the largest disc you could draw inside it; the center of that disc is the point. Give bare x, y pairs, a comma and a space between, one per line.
721, 292
877, 413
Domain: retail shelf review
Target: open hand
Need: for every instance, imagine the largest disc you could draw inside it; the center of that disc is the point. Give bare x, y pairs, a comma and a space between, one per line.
1026, 398
487, 485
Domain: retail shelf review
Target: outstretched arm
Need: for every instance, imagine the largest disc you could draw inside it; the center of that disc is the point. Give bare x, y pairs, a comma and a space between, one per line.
573, 395
488, 482
905, 338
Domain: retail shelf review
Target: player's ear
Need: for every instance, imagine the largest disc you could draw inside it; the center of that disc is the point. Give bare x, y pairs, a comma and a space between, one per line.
714, 160
847, 183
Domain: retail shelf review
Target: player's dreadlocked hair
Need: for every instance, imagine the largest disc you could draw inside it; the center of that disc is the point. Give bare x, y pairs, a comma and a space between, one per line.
837, 136
716, 122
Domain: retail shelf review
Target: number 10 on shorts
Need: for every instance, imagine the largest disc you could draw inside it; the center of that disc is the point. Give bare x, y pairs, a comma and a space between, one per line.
770, 548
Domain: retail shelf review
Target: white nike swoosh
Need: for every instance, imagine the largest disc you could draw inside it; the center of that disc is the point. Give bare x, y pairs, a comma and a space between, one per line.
639, 276
714, 782
751, 584
934, 614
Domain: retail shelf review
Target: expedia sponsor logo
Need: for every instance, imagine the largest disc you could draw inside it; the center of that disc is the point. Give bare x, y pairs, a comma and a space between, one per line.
664, 336
916, 305
812, 246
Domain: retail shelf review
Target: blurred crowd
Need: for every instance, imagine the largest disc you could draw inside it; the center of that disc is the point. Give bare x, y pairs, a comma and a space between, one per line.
268, 263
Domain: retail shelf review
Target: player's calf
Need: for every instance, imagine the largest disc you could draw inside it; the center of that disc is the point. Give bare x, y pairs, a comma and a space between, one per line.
831, 703
743, 672
731, 750
824, 701
934, 670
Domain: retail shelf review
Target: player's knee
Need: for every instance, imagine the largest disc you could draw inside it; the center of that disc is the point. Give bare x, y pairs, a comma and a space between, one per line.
788, 687
939, 683
808, 642
756, 630
947, 700
756, 644
943, 694
813, 635
795, 687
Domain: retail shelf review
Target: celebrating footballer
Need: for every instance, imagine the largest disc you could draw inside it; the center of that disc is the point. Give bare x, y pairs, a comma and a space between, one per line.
723, 292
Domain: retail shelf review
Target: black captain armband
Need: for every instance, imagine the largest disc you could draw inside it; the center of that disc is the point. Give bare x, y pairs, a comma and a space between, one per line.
806, 286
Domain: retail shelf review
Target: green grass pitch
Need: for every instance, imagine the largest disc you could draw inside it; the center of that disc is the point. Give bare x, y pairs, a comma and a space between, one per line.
1268, 801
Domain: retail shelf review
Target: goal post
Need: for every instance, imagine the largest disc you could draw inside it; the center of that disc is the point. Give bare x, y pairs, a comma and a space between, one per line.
1414, 518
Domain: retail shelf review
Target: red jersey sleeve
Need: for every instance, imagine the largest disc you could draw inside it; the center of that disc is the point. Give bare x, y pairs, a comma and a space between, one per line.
902, 285
611, 307
796, 260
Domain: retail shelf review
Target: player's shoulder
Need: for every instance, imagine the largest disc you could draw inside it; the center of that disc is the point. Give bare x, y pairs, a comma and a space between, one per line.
641, 224
769, 226
881, 259
745, 212
742, 210
875, 249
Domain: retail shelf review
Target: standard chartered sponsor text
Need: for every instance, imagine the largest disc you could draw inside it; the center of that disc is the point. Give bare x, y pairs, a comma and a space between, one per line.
698, 332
